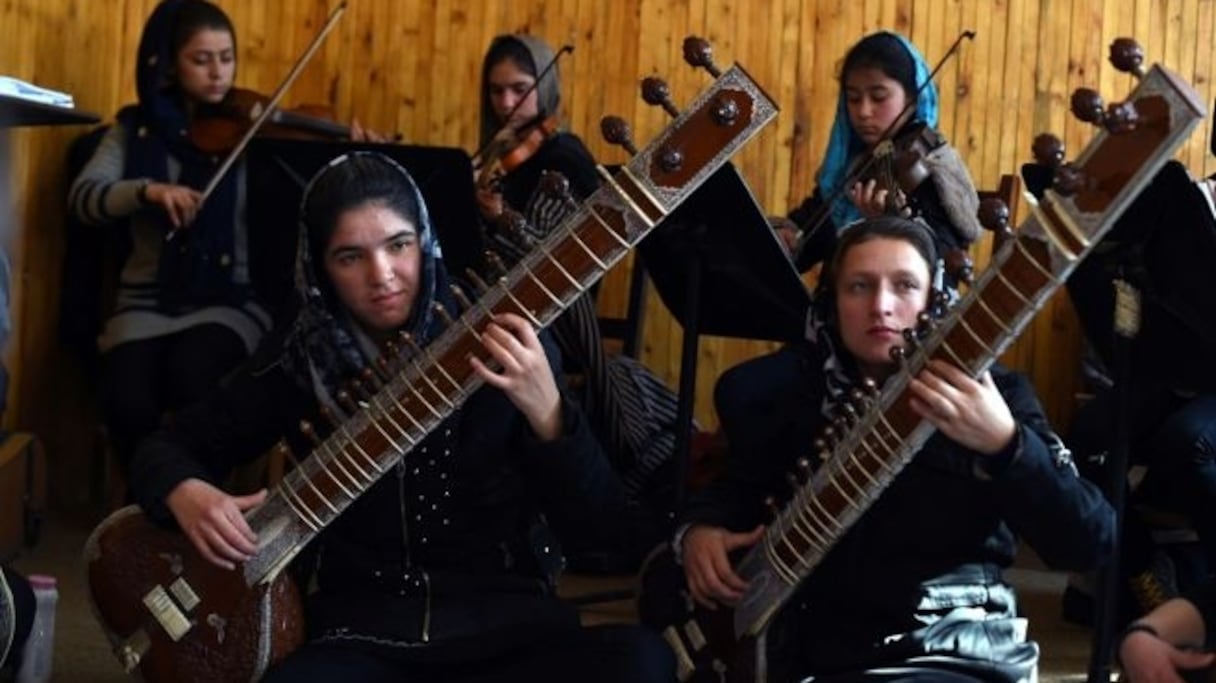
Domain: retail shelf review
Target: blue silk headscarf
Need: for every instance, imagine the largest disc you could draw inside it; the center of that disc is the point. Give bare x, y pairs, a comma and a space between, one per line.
844, 142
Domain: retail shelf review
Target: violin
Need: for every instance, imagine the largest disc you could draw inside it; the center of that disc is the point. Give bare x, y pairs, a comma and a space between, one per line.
898, 164
217, 130
510, 149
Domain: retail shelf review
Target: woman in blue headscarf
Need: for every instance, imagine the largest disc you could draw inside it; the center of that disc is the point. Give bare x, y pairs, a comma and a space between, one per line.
881, 75
444, 568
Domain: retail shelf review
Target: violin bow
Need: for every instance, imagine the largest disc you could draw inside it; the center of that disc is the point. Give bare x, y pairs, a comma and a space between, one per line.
817, 220
566, 49
270, 106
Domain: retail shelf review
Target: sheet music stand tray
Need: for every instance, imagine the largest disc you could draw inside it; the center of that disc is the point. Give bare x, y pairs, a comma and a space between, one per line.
718, 267
279, 169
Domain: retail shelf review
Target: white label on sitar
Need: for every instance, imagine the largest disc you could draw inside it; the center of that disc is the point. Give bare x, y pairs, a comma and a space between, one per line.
185, 595
167, 614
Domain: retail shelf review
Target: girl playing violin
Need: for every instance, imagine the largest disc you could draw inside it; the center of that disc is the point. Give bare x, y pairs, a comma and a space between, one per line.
880, 77
185, 313
630, 409
514, 106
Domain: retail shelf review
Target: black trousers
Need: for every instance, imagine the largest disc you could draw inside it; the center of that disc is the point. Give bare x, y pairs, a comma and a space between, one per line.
618, 653
144, 379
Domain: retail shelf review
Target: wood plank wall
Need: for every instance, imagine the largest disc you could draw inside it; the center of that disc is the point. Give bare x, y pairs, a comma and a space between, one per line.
411, 66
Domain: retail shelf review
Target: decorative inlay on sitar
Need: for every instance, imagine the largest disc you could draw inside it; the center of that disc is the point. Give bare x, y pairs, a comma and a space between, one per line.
177, 618
868, 449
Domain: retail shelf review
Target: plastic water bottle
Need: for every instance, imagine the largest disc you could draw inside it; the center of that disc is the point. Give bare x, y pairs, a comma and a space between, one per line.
36, 657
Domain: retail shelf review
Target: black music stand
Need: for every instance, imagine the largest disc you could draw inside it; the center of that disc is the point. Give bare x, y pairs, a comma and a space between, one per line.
1163, 247
719, 268
278, 169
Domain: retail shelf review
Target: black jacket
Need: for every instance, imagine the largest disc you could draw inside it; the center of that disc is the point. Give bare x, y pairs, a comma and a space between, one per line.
447, 555
923, 564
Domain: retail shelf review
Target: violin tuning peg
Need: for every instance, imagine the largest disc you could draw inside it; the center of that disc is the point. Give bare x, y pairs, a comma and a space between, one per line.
655, 92
617, 132
700, 55
1127, 56
1048, 150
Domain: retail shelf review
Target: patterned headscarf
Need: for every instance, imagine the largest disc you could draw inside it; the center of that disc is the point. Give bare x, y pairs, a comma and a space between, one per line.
844, 143
326, 347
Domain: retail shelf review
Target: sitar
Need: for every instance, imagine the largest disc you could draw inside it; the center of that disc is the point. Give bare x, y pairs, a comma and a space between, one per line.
1137, 137
173, 616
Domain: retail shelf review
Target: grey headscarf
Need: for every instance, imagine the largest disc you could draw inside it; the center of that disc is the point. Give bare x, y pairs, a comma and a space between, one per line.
548, 91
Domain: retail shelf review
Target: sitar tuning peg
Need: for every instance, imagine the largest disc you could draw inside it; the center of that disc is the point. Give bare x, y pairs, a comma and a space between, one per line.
514, 226
370, 379
994, 215
656, 93
960, 265
1086, 104
460, 296
1048, 150
700, 55
479, 284
309, 433
557, 185
1070, 179
617, 132
774, 510
347, 401
442, 312
497, 267
1127, 56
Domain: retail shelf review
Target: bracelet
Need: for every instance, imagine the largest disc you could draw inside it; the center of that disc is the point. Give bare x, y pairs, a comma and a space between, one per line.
1139, 626
141, 193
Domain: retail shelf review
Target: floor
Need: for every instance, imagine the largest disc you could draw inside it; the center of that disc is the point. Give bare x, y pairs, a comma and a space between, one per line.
82, 654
